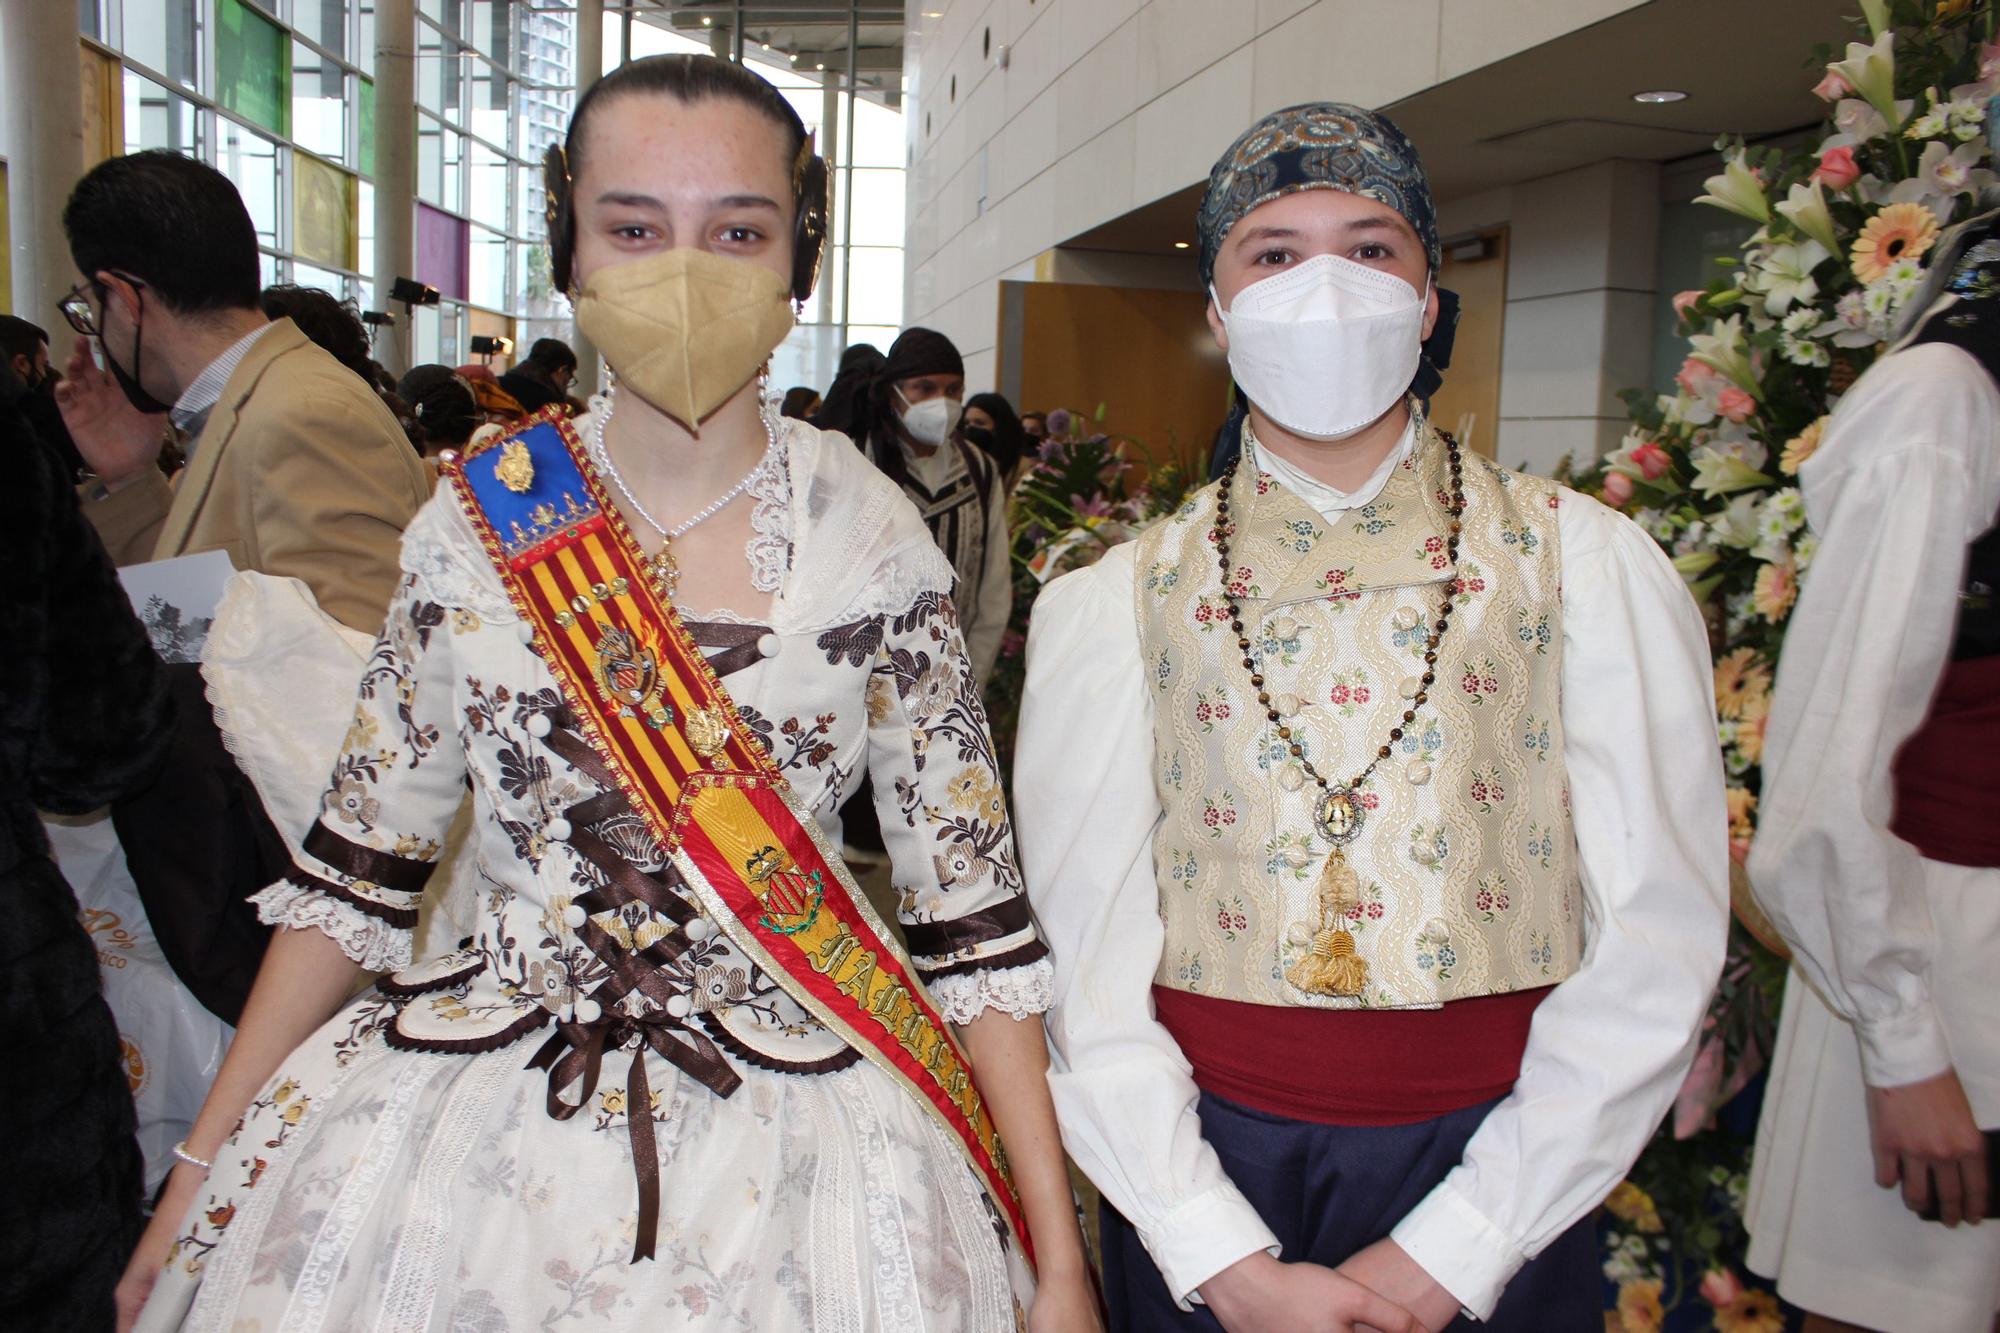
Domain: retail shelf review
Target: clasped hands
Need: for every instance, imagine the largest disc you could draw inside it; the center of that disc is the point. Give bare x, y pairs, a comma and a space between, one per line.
1379, 1290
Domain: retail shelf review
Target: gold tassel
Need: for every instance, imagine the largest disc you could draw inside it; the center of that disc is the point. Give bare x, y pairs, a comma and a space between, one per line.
1331, 967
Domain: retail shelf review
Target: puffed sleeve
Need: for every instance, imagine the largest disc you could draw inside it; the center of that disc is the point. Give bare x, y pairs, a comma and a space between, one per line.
1124, 1093
944, 822
1611, 1045
361, 870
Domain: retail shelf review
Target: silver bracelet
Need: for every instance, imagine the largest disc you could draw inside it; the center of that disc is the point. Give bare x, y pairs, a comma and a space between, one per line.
181, 1151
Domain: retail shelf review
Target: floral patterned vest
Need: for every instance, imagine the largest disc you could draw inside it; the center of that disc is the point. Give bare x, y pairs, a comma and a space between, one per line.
1466, 856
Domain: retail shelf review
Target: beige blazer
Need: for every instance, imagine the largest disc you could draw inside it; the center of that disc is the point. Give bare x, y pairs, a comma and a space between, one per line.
301, 471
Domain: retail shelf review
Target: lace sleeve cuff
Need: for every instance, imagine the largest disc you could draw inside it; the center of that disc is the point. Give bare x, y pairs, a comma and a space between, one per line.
370, 941
1022, 992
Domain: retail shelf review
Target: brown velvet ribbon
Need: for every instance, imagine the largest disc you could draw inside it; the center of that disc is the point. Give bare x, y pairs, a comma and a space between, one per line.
574, 1054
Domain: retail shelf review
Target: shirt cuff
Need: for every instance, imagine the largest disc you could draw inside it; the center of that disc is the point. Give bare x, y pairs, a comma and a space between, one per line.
1203, 1236
1906, 1047
1461, 1248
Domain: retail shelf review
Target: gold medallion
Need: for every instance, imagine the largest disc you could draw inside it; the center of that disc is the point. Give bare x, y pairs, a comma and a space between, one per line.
706, 731
515, 469
628, 671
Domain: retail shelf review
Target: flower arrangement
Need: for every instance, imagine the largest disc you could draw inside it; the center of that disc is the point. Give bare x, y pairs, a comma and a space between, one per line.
1083, 493
1709, 471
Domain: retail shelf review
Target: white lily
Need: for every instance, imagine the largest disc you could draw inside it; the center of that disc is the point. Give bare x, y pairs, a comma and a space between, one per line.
1722, 349
1718, 474
1805, 208
1785, 274
1871, 71
1738, 190
1877, 14
1736, 526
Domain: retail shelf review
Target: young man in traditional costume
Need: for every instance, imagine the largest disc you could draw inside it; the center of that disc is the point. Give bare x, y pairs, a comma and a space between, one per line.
1371, 809
1878, 854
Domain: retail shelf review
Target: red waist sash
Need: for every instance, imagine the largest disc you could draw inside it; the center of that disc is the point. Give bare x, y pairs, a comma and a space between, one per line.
1352, 1066
1947, 774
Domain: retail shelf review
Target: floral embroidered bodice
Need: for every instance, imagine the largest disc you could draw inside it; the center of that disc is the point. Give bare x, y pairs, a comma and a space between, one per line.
454, 697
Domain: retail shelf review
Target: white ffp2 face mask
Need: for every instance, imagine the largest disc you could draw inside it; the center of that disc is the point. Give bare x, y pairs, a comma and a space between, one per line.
1327, 346
930, 422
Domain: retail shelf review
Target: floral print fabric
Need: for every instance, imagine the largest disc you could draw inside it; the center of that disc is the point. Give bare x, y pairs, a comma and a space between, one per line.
404, 1160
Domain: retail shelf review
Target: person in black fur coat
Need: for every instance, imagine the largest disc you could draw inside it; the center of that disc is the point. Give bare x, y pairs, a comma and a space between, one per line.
84, 718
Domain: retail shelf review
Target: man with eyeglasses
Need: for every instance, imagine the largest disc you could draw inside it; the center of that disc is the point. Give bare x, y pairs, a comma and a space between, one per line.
295, 467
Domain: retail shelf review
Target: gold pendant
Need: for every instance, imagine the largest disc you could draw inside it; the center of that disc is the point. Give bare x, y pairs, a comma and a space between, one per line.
1331, 966
515, 469
1339, 816
664, 571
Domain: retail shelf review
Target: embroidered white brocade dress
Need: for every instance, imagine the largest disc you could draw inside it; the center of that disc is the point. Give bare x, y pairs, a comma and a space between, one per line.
403, 1169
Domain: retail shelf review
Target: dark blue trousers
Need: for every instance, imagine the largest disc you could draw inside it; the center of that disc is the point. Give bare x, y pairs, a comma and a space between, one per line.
1330, 1191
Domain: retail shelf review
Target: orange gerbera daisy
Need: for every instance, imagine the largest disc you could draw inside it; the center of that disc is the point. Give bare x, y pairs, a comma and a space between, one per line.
1752, 1312
1739, 678
1750, 731
1801, 447
1777, 587
1639, 1306
1900, 231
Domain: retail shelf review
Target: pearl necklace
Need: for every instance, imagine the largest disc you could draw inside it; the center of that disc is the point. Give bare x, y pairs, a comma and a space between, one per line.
602, 456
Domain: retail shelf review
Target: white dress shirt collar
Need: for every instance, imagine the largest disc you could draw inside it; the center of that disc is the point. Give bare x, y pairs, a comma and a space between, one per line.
190, 411
1325, 500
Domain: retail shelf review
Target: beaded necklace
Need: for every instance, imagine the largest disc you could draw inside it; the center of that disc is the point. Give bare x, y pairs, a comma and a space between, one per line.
1331, 967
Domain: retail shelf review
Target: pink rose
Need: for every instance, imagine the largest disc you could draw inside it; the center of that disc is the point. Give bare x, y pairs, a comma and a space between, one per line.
1735, 405
1837, 169
1685, 301
1721, 1288
1617, 490
1651, 460
1696, 378
1833, 87
1989, 62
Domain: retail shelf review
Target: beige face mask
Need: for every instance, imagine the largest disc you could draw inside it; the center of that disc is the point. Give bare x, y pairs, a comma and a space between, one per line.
685, 329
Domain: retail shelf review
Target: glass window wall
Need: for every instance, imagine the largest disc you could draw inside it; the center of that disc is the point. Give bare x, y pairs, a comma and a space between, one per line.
279, 95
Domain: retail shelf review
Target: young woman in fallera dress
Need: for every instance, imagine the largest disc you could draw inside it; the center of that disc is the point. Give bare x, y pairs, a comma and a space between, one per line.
613, 1103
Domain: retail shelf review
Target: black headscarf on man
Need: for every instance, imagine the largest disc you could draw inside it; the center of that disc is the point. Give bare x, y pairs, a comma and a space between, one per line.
916, 351
1323, 146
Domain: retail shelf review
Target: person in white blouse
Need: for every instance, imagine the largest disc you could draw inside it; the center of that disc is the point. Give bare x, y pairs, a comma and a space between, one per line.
1878, 853
1324, 784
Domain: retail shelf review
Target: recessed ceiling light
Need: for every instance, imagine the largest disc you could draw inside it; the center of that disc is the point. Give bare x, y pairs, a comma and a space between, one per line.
1660, 96
1180, 245
706, 21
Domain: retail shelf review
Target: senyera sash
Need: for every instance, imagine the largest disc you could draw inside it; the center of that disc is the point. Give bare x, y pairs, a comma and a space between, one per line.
655, 713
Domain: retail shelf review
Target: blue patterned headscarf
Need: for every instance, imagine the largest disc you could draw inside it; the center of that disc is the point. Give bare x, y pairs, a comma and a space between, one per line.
1318, 146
